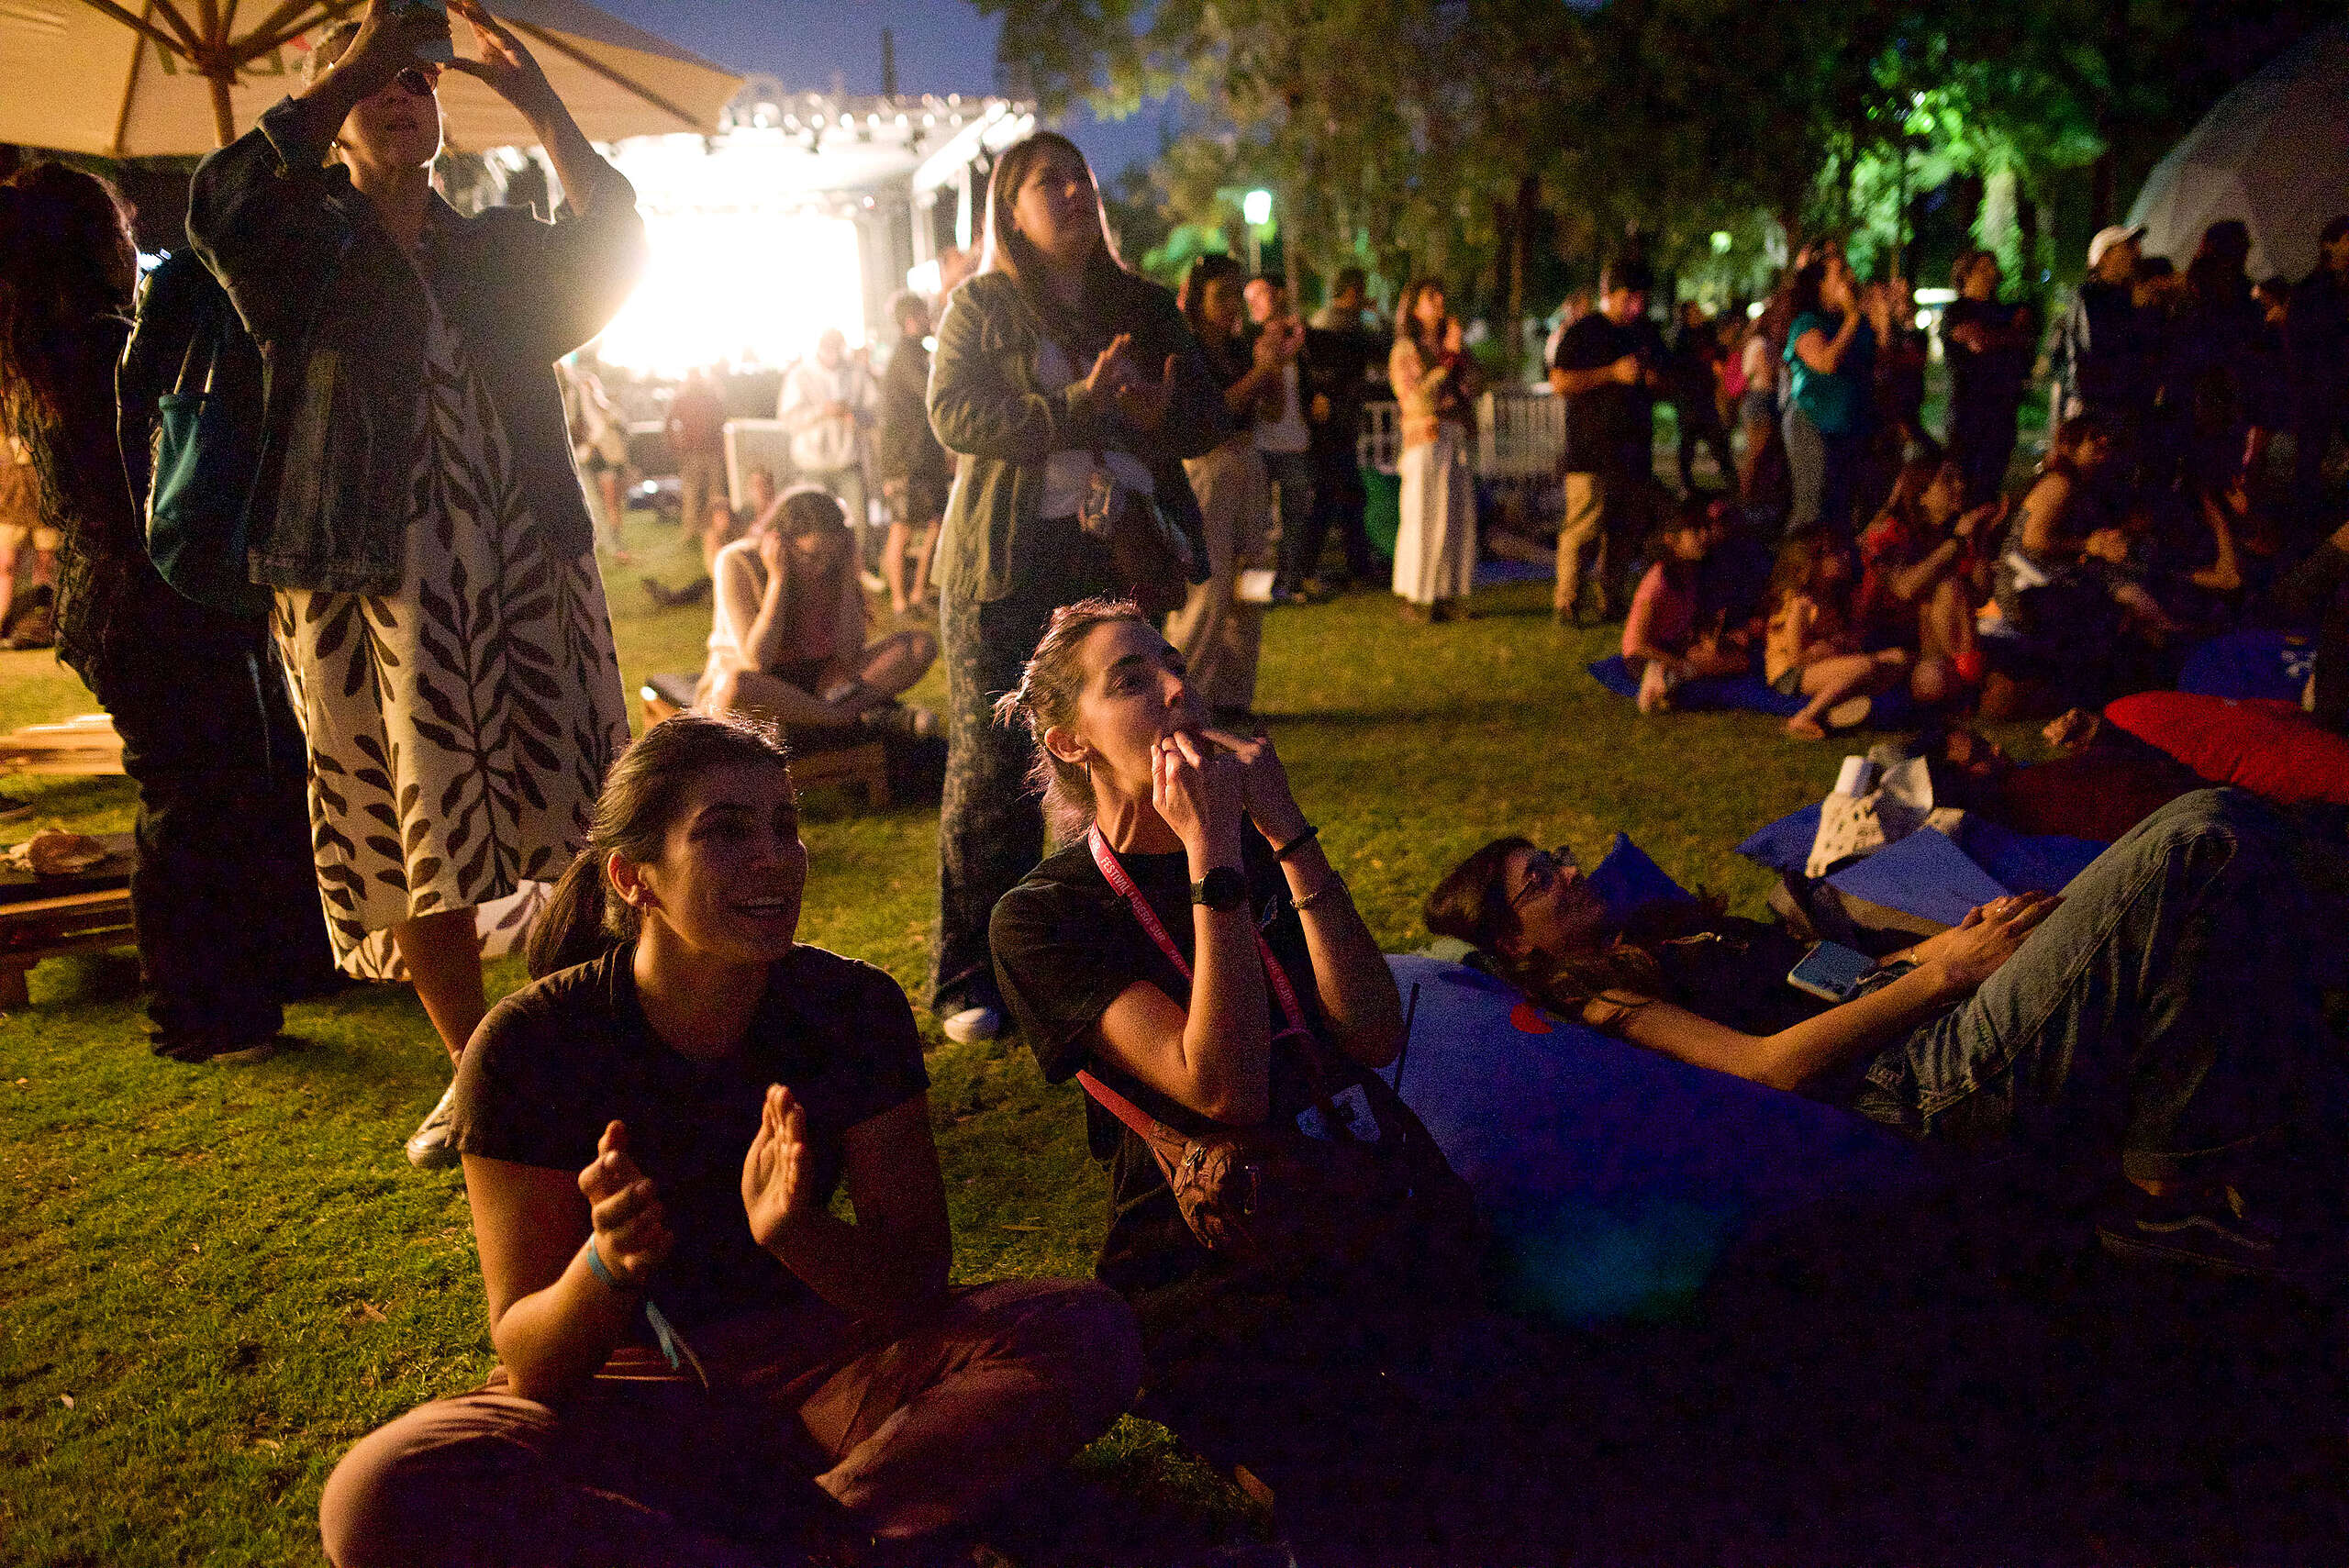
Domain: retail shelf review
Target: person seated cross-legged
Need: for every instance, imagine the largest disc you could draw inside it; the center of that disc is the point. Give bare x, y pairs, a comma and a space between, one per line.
700, 1361
786, 639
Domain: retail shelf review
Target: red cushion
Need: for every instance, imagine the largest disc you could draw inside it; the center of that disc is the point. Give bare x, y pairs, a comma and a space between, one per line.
2259, 743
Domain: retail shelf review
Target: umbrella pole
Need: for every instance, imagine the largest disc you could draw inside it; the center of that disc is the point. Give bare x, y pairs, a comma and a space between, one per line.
224, 119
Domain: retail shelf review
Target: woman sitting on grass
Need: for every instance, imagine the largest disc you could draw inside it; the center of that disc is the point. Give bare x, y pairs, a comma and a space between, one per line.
1666, 638
699, 1361
1811, 650
1383, 1407
786, 639
2154, 1037
1924, 569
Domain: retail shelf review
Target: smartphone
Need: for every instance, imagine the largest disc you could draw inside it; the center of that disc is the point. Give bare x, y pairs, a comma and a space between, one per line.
442, 48
1831, 971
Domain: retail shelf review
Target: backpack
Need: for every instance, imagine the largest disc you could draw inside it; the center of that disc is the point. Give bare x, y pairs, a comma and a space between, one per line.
189, 400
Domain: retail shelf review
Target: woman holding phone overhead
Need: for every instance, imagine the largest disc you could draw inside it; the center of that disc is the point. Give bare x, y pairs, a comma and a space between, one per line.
437, 606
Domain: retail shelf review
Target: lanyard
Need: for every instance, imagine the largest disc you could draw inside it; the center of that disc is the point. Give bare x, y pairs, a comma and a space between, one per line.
1123, 885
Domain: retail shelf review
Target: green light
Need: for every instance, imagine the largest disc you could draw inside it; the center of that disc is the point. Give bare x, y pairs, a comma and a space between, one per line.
1723, 240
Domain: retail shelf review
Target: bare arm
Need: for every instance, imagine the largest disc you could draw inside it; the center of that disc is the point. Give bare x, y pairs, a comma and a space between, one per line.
2042, 517
1825, 354
2224, 575
1911, 584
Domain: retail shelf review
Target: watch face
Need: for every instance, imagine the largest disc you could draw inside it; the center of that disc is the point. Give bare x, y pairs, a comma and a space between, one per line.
1223, 888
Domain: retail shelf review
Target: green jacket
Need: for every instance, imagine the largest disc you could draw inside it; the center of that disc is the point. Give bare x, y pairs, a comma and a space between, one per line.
987, 409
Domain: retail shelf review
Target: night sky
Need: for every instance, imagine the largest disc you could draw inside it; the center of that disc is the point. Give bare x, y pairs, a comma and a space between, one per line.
943, 45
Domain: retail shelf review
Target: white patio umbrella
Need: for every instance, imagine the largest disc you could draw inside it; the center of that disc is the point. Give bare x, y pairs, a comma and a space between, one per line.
179, 77
2274, 154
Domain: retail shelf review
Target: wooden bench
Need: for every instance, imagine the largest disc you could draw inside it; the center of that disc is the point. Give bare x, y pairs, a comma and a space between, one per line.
84, 744
37, 929
819, 757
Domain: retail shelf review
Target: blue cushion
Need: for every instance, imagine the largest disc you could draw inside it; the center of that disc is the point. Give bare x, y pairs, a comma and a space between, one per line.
2017, 862
1749, 692
1614, 1178
1626, 879
2248, 664
1925, 875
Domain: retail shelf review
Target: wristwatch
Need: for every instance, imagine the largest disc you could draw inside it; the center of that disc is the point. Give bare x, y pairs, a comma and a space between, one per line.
1223, 888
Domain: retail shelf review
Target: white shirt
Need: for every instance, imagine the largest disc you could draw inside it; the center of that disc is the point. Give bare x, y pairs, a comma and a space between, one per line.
1288, 433
820, 444
1068, 473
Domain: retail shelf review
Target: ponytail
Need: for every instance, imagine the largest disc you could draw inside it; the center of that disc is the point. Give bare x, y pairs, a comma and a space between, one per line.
575, 928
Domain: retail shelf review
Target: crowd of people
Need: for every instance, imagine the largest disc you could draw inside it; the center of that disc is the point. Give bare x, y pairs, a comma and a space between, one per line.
702, 1358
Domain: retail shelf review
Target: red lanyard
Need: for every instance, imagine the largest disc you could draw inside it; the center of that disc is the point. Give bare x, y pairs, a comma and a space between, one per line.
1123, 885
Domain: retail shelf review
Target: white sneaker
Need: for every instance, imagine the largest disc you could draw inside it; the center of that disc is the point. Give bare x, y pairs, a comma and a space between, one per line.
433, 1145
973, 1023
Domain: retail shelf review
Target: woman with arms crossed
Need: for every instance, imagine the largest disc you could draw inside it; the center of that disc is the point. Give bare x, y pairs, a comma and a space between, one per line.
688, 1334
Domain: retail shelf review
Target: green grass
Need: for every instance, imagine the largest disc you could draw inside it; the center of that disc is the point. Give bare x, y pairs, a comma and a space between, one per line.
212, 1281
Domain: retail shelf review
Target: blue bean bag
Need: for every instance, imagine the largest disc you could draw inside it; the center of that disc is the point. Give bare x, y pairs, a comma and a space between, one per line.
2258, 663
1894, 710
2014, 862
1614, 1179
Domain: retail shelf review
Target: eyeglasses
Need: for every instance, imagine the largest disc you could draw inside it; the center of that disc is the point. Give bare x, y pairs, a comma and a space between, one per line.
1542, 870
418, 81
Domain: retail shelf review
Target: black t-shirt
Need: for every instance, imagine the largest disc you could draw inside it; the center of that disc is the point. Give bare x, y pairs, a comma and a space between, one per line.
1065, 946
1609, 427
558, 1061
1991, 377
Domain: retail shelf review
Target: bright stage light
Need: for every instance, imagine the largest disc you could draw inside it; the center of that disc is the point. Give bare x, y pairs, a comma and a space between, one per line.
1256, 207
738, 285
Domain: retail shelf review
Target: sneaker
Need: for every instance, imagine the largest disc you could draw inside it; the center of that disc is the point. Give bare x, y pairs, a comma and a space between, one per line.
1849, 714
971, 1024
200, 1049
433, 1145
2206, 1231
1656, 687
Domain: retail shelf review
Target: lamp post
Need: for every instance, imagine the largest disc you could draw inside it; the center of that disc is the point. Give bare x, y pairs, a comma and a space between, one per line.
1257, 211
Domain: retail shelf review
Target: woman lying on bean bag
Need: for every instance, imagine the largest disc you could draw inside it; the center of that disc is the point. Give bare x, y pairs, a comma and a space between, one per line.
2154, 1037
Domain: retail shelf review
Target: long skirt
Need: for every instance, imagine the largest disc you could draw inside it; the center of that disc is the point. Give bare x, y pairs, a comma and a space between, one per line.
1435, 548
1218, 636
458, 729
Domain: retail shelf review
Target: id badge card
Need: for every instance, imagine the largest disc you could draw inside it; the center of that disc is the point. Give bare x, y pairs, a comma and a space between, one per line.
1352, 1106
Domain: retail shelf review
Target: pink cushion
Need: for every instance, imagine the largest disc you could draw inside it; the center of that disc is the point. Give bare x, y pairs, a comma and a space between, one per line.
2259, 743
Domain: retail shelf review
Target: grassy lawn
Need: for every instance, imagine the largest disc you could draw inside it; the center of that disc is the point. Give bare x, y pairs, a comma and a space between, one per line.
212, 1281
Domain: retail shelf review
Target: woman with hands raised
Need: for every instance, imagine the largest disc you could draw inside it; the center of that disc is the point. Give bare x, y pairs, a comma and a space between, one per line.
417, 513
699, 1360
2151, 1041
1194, 952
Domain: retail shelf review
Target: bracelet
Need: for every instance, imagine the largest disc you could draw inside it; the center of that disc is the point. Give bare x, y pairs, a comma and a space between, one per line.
1283, 851
1335, 885
602, 1270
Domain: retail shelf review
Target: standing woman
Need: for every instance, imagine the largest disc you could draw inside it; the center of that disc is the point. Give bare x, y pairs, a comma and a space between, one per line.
1990, 346
195, 692
438, 604
1831, 349
1436, 384
1219, 636
1065, 385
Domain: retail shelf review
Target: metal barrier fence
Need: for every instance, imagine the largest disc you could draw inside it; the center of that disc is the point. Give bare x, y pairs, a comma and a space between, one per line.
1521, 435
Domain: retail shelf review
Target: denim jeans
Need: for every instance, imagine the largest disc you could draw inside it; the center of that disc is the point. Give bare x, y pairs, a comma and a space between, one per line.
1292, 480
2168, 1013
1823, 468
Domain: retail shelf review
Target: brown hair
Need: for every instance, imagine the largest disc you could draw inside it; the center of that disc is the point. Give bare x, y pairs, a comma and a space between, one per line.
1795, 570
1406, 317
643, 794
66, 259
1049, 684
1471, 905
1007, 250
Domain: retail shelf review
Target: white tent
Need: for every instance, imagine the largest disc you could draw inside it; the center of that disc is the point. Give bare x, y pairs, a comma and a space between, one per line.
2274, 154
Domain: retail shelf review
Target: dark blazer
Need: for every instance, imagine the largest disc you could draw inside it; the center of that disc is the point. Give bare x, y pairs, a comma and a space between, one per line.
340, 315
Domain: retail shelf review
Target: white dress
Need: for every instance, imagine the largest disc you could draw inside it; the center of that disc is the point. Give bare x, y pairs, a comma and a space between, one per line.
1435, 547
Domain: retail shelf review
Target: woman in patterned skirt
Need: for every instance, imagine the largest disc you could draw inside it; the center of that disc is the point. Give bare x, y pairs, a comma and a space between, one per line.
438, 605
